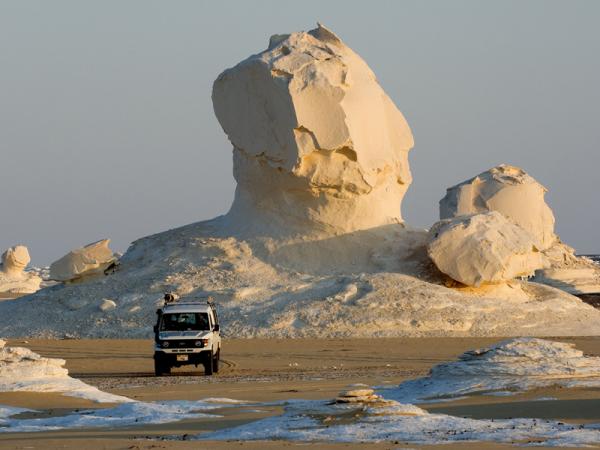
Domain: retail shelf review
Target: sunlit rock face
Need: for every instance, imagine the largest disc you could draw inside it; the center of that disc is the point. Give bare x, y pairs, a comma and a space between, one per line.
510, 191
14, 281
316, 141
483, 248
92, 259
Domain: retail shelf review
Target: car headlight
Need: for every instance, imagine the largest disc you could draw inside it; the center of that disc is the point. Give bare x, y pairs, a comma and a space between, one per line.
164, 344
198, 343
205, 341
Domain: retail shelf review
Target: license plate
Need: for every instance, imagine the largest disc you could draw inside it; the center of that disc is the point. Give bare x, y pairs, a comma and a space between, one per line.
182, 357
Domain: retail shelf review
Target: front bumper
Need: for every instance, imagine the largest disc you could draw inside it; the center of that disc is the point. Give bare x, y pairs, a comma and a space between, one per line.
180, 358
179, 351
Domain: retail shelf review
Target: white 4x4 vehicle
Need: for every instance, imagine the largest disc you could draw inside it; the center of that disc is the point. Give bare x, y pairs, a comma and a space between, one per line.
186, 332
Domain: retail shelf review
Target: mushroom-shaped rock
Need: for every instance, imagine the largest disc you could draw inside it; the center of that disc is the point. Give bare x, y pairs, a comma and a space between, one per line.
483, 248
317, 143
15, 259
14, 281
92, 259
510, 191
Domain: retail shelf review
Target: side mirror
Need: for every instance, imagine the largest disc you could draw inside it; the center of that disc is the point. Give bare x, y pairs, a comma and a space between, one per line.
216, 327
158, 312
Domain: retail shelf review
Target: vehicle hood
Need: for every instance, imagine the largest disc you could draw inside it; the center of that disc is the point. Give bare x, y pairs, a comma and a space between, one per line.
184, 334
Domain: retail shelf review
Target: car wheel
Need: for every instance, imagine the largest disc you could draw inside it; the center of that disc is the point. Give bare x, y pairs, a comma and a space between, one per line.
208, 364
216, 361
160, 368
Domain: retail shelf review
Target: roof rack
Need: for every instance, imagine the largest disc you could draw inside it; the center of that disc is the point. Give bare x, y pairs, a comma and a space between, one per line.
171, 298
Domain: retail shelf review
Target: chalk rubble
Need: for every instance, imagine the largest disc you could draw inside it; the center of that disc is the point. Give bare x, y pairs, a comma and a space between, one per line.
483, 248
14, 281
92, 259
510, 191
317, 143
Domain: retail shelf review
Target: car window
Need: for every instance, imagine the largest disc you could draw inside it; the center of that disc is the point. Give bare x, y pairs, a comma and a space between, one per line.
184, 322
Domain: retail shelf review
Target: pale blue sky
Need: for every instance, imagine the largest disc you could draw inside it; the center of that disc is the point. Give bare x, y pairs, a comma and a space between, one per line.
107, 128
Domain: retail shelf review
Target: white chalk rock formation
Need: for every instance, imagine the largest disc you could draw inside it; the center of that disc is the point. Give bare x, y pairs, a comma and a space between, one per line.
483, 248
510, 191
318, 147
508, 367
23, 370
316, 141
15, 259
92, 259
14, 281
520, 198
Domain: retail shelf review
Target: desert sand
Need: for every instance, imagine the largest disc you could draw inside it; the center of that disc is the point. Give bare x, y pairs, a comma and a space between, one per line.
264, 370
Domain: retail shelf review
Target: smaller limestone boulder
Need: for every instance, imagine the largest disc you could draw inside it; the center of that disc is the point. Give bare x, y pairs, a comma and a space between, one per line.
14, 281
92, 259
510, 191
483, 248
107, 305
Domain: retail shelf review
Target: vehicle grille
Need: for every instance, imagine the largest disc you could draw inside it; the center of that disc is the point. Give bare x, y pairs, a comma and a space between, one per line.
182, 343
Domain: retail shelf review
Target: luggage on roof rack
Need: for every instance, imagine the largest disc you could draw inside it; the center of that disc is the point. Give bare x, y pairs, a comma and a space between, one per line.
174, 298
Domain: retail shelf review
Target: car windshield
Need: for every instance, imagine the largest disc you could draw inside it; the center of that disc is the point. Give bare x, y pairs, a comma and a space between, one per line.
184, 322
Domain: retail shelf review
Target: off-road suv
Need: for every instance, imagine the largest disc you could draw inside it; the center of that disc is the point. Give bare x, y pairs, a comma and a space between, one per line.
186, 332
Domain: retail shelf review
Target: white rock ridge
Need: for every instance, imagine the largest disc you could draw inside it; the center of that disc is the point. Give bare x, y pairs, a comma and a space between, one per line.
483, 248
510, 191
92, 259
23, 370
316, 141
508, 367
14, 281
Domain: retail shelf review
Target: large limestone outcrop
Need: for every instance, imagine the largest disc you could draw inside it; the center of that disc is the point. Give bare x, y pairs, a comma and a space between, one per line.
92, 259
510, 191
14, 281
317, 143
483, 248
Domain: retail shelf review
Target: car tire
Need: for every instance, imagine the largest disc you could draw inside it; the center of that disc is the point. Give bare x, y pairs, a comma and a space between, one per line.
160, 368
209, 364
216, 361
